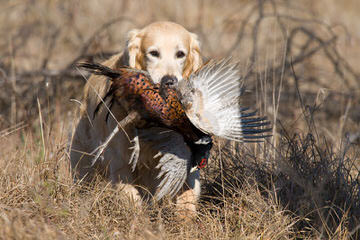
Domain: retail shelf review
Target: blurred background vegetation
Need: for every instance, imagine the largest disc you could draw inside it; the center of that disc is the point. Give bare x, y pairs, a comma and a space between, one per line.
42, 40
300, 60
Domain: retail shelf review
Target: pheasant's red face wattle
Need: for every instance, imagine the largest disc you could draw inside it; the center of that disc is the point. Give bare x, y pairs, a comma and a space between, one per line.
202, 163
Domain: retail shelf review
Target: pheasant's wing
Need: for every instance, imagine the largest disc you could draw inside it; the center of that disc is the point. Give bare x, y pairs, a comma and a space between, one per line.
211, 99
174, 160
174, 170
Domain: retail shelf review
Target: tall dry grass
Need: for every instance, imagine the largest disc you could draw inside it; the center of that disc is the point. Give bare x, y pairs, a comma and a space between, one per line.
300, 59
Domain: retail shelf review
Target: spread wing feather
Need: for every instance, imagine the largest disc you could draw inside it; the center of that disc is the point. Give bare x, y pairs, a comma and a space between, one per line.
173, 165
211, 97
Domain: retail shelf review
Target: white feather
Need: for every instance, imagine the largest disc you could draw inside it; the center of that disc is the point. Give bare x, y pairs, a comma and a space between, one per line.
212, 94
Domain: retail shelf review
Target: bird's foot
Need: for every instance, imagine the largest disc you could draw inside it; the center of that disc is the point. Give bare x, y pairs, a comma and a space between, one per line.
134, 157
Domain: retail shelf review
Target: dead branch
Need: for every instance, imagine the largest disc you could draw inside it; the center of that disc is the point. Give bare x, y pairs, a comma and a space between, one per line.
341, 67
85, 47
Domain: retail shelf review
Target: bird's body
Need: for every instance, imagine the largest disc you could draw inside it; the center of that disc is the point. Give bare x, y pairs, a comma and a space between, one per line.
154, 103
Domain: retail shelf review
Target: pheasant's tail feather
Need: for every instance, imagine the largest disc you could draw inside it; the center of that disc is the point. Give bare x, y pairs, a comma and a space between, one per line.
99, 69
108, 94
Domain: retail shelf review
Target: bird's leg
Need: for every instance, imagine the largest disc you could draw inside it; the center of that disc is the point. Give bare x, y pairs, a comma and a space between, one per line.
131, 117
135, 151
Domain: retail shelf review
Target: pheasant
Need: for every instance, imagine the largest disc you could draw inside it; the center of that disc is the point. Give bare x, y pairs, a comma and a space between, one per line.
152, 104
204, 105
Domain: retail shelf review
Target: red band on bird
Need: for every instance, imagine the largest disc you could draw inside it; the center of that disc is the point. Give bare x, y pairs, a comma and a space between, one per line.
202, 163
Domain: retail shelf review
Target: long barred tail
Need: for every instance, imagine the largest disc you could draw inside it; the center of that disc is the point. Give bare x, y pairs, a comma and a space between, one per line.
100, 69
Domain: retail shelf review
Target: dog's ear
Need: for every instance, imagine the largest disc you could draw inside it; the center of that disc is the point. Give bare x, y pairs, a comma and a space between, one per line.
193, 60
132, 55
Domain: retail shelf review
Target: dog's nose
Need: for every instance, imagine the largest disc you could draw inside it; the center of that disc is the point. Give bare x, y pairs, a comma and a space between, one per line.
169, 80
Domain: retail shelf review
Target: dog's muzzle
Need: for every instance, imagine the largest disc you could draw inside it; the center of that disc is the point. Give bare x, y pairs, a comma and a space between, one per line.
169, 81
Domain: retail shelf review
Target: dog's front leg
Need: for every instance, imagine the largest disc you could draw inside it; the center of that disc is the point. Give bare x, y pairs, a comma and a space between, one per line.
188, 197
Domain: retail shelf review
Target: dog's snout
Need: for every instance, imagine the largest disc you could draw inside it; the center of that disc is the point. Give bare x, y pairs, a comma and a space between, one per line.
169, 80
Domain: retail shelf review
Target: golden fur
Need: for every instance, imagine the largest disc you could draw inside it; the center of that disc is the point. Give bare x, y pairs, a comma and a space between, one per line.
168, 40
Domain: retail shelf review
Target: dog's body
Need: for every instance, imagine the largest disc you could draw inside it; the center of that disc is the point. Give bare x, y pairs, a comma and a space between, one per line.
163, 49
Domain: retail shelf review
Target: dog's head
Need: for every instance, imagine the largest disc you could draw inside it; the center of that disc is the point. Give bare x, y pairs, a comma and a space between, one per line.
164, 49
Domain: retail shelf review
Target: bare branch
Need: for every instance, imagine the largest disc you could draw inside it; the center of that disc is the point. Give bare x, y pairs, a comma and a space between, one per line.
84, 49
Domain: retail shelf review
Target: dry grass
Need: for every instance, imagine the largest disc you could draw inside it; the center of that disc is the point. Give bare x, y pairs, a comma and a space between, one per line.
39, 200
302, 183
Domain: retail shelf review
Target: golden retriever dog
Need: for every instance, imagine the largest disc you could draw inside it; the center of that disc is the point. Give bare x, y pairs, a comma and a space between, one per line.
164, 49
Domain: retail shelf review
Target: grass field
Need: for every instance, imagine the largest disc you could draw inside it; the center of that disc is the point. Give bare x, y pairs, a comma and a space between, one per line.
301, 58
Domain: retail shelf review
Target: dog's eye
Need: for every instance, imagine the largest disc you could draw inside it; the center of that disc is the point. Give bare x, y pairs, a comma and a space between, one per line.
154, 53
180, 54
